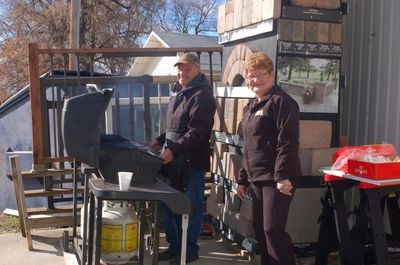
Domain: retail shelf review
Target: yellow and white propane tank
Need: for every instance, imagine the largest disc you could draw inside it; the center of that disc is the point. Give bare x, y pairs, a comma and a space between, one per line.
119, 233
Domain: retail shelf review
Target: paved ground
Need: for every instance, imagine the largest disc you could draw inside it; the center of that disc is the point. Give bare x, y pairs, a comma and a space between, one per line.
47, 250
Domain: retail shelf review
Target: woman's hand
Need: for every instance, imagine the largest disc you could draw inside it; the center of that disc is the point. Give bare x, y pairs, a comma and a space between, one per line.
285, 186
241, 191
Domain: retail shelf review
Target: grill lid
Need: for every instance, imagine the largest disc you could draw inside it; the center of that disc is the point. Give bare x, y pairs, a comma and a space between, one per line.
81, 125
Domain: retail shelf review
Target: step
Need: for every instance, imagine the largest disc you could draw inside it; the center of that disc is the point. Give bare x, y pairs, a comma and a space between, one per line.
57, 209
52, 192
47, 173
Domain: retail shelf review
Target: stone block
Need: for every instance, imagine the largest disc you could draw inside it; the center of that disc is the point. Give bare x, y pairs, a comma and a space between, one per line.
219, 122
310, 31
256, 15
235, 163
245, 227
327, 4
321, 157
229, 21
217, 192
219, 149
215, 209
271, 9
247, 13
315, 134
285, 29
246, 210
221, 19
335, 33
305, 156
298, 30
232, 201
323, 32
237, 13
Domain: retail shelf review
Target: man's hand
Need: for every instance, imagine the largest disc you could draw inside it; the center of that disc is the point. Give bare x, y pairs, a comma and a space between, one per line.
167, 155
285, 186
241, 191
155, 147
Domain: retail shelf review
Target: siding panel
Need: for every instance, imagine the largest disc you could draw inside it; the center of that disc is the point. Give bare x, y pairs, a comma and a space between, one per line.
370, 112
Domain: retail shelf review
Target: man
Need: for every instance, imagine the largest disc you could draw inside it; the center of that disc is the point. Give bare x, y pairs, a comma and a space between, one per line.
190, 118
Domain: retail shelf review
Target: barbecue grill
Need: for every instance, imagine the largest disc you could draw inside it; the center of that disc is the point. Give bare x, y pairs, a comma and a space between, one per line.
108, 153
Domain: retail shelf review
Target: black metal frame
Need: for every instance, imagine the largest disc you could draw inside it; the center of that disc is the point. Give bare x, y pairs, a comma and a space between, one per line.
352, 245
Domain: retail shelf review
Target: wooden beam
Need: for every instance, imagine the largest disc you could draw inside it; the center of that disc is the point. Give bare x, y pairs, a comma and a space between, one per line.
136, 52
35, 98
74, 32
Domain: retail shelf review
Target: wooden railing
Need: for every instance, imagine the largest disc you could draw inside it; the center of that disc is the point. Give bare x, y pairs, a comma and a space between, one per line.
47, 93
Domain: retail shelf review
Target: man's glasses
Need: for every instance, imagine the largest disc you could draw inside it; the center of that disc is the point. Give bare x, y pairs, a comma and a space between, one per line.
257, 76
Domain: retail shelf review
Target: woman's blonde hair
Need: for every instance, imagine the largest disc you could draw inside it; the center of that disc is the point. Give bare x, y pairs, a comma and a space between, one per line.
259, 60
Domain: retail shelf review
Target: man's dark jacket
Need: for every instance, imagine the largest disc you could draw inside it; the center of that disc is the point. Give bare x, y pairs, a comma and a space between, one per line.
191, 112
271, 139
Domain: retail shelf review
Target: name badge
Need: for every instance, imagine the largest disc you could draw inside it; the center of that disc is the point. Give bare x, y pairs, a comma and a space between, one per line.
259, 113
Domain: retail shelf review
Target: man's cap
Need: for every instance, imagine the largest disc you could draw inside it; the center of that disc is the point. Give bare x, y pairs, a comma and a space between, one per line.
188, 58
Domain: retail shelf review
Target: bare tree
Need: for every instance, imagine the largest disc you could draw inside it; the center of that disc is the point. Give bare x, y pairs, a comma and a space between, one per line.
104, 23
188, 16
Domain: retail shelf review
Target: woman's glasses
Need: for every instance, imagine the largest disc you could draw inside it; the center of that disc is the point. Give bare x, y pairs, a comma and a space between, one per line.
257, 76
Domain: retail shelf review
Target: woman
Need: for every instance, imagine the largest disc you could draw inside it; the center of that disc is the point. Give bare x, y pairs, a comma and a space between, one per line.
270, 159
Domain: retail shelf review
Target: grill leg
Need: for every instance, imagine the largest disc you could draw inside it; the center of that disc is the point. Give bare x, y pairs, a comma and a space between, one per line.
185, 223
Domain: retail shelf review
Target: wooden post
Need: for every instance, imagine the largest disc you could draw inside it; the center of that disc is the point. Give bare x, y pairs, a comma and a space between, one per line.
146, 108
36, 108
74, 32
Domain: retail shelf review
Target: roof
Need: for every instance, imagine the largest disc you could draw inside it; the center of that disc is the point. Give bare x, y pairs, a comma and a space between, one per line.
156, 39
22, 95
179, 40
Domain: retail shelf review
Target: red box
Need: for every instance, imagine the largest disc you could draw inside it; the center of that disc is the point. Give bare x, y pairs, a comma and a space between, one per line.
384, 170
346, 153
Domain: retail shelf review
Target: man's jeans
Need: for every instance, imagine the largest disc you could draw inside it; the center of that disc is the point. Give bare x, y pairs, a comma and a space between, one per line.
173, 223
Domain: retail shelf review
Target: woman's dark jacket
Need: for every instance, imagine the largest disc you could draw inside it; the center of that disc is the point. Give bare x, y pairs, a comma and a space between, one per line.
270, 139
191, 113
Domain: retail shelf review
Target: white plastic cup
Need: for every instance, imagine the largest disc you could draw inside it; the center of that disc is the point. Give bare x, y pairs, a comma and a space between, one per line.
124, 180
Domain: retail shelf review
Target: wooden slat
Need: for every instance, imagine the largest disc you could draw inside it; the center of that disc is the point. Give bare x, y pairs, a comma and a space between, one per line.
60, 220
121, 52
58, 159
57, 209
47, 173
52, 192
65, 180
19, 192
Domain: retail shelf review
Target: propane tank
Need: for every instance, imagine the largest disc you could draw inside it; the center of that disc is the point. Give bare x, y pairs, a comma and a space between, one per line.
119, 233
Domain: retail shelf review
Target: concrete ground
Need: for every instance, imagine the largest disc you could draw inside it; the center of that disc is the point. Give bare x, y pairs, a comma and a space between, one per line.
48, 250
46, 244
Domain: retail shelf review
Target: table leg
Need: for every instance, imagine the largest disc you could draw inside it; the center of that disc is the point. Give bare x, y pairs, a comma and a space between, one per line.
142, 219
380, 244
91, 224
85, 221
185, 224
156, 234
97, 239
74, 199
394, 214
326, 235
351, 252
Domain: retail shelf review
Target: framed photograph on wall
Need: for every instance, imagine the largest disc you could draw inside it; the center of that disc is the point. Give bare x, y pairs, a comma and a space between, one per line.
312, 82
